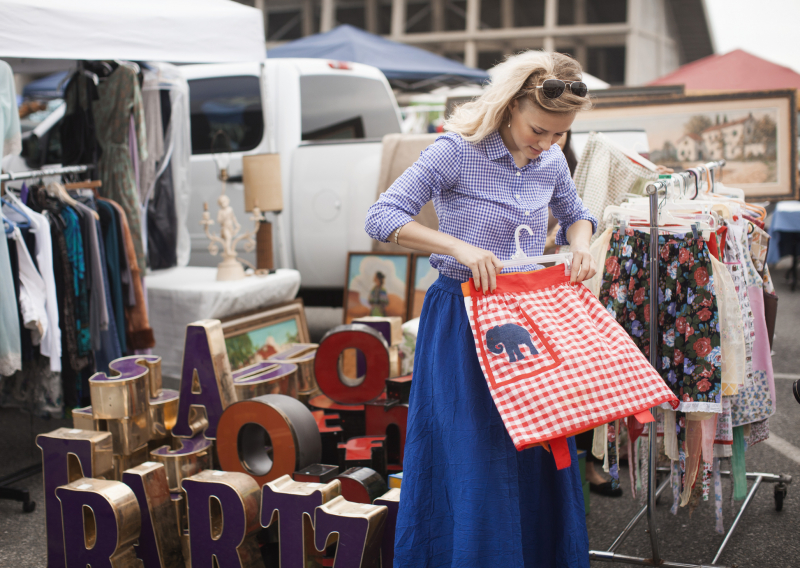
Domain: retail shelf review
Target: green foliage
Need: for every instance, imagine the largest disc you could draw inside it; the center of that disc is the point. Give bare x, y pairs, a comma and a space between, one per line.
697, 124
240, 350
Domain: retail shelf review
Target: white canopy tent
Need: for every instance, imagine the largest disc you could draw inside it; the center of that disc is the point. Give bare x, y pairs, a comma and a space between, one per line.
44, 35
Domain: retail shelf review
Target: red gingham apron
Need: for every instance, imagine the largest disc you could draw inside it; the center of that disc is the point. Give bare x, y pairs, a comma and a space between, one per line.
556, 362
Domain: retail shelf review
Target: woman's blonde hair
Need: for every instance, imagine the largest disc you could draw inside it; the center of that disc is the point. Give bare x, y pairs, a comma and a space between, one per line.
516, 78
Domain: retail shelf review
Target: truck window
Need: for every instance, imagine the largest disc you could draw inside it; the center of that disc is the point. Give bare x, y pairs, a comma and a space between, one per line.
229, 104
344, 108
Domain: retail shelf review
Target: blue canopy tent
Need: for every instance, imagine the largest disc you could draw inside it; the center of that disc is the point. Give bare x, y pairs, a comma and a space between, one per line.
405, 66
49, 87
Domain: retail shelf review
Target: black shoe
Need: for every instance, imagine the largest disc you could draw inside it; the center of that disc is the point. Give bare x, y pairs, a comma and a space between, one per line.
605, 489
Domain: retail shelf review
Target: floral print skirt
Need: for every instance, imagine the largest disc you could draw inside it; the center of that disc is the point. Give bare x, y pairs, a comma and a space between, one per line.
688, 340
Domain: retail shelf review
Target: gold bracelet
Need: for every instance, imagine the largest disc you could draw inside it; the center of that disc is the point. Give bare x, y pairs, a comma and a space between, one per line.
397, 234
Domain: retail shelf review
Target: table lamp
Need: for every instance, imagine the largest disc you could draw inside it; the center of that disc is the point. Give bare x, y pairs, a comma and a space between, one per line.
261, 175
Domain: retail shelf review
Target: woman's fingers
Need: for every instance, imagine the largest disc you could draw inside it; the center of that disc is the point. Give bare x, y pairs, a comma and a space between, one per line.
484, 276
490, 270
476, 277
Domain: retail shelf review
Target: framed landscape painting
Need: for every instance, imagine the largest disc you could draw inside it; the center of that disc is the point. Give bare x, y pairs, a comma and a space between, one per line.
377, 285
422, 276
255, 336
754, 132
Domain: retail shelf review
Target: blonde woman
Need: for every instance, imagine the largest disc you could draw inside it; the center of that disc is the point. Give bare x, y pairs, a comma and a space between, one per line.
469, 498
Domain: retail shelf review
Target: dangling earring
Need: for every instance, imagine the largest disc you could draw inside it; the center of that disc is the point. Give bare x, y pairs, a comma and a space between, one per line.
509, 125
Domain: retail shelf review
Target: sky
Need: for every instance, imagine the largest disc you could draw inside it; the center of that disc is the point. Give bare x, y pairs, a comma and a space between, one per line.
766, 28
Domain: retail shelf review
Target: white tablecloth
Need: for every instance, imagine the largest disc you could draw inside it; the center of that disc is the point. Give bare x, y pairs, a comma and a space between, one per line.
178, 296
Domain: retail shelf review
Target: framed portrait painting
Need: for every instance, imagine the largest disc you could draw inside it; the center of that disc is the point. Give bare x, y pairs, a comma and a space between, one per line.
377, 285
422, 276
257, 335
755, 132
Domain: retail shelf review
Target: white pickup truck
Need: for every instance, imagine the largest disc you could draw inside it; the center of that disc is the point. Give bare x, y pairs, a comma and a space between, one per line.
325, 118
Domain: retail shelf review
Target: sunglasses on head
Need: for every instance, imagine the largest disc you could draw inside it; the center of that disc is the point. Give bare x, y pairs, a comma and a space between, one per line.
554, 88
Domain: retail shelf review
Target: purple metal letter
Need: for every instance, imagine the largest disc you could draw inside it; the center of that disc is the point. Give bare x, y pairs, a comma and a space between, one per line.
197, 357
55, 471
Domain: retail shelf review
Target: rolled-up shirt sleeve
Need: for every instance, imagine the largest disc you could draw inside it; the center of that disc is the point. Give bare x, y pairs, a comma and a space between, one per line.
436, 170
567, 207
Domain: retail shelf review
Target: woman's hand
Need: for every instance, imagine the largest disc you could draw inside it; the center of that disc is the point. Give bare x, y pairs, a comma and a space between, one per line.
583, 265
484, 265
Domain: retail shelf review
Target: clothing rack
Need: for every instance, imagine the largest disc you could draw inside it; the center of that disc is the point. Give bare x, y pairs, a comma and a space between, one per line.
781, 480
6, 491
55, 171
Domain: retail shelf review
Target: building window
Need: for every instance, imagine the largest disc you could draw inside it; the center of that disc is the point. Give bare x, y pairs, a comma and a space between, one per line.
455, 17
490, 15
418, 16
488, 59
566, 13
528, 13
284, 25
607, 63
606, 11
228, 104
351, 14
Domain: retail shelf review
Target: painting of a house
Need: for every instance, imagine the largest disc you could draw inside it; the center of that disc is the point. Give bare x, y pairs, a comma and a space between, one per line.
690, 147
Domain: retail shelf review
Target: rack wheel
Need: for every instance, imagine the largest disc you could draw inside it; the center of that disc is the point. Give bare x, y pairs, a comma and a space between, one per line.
780, 493
29, 506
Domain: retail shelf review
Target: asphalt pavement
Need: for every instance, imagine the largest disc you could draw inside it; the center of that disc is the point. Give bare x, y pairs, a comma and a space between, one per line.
764, 538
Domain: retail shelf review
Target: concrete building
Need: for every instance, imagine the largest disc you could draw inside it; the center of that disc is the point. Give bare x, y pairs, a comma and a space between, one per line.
626, 42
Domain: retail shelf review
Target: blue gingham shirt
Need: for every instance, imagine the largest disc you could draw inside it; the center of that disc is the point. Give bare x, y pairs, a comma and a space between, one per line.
481, 197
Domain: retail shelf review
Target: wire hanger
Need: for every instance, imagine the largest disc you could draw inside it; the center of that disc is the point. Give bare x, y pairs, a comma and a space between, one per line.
521, 259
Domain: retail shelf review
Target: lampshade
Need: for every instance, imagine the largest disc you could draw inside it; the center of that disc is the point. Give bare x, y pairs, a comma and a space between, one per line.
261, 174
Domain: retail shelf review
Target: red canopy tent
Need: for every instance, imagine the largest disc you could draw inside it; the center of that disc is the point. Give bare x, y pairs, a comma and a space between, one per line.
733, 71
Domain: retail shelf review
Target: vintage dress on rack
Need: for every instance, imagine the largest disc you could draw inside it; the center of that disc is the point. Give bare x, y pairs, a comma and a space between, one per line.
139, 334
119, 98
605, 175
688, 342
469, 497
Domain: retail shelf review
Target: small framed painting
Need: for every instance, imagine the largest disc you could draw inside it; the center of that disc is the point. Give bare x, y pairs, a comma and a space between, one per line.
755, 132
422, 276
377, 285
257, 335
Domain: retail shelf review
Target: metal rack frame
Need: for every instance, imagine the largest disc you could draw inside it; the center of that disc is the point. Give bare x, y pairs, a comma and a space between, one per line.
6, 491
653, 492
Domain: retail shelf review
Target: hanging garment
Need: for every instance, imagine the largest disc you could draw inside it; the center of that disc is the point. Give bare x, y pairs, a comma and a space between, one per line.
139, 334
151, 103
688, 337
32, 291
162, 222
9, 115
605, 175
119, 98
469, 497
98, 310
598, 250
62, 270
556, 362
75, 251
10, 348
731, 330
78, 130
50, 345
112, 240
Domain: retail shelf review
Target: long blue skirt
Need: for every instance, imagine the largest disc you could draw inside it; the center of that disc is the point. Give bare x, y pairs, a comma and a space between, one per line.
469, 498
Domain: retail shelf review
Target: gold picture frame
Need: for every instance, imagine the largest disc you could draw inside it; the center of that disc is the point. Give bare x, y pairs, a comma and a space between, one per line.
256, 335
755, 132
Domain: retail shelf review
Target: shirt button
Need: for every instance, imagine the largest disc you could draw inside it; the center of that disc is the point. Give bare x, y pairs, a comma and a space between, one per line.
527, 213
516, 196
518, 174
